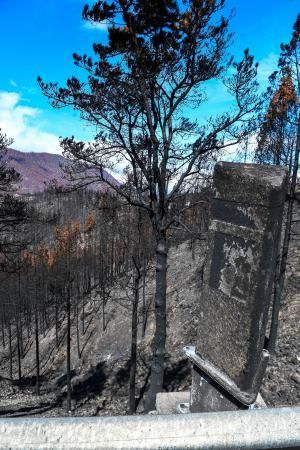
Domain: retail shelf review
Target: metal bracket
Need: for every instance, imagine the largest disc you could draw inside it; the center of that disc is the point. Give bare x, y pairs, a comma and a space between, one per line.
247, 397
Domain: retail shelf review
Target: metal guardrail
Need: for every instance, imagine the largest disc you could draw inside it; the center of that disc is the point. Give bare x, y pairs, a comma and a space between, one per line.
253, 429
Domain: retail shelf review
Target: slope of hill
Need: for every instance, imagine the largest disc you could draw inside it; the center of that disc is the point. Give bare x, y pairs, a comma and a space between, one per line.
39, 169
100, 375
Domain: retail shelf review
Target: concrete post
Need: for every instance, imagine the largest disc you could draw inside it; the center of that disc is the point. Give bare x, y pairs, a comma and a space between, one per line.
244, 234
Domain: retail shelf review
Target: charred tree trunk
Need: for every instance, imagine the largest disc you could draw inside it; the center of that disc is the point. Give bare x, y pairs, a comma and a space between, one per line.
10, 352
157, 366
134, 326
112, 261
68, 350
21, 338
103, 313
104, 300
45, 303
279, 282
28, 323
77, 325
37, 352
145, 312
56, 322
3, 328
18, 349
83, 313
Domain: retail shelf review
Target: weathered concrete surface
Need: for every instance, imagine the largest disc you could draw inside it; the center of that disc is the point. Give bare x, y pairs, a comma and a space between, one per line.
207, 379
256, 429
167, 402
206, 396
243, 241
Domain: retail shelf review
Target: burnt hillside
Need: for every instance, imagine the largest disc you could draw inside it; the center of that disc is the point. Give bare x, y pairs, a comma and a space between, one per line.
39, 169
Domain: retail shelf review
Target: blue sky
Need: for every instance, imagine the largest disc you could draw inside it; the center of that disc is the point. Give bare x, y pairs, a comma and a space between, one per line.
38, 37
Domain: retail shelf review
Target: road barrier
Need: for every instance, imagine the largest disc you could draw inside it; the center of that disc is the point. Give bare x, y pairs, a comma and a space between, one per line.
252, 429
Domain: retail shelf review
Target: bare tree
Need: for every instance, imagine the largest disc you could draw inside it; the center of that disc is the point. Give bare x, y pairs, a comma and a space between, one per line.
279, 143
138, 95
12, 210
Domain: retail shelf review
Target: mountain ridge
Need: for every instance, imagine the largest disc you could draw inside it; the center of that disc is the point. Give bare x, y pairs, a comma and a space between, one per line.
39, 169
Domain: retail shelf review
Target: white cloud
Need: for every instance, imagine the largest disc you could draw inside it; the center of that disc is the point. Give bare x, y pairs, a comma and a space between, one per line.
102, 26
21, 123
240, 152
265, 68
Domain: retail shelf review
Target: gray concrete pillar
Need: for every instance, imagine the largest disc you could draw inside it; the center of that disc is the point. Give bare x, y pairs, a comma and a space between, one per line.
246, 217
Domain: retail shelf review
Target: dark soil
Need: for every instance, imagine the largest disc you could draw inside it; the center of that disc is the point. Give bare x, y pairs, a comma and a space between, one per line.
100, 376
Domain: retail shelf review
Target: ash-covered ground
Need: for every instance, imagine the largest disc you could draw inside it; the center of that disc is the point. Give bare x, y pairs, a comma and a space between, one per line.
100, 376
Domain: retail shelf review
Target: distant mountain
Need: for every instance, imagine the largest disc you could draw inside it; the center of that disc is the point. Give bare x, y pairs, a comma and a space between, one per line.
39, 169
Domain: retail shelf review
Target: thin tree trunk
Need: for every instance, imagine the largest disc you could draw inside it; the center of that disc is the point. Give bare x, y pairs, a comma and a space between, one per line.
45, 302
18, 350
43, 322
21, 339
37, 352
279, 282
134, 325
103, 309
77, 325
112, 261
193, 248
145, 312
56, 322
10, 352
157, 366
3, 330
19, 325
68, 351
28, 324
83, 313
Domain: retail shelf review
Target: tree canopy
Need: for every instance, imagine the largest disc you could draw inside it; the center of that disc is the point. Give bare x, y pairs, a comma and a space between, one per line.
277, 138
143, 82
